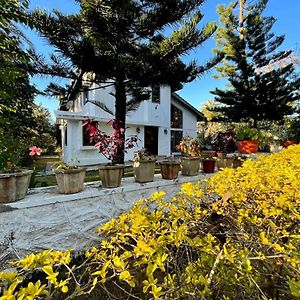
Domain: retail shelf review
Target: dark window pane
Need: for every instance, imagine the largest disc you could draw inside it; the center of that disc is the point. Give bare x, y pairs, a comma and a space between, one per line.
85, 135
176, 137
156, 93
85, 97
176, 117
66, 136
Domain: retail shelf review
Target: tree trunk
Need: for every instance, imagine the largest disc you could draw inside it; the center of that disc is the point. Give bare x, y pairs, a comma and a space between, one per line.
241, 18
120, 111
255, 123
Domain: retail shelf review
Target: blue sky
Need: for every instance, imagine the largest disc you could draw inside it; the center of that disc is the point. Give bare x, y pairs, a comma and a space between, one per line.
286, 12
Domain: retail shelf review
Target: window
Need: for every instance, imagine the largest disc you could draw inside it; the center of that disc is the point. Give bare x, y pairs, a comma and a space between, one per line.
66, 136
85, 135
176, 137
156, 93
176, 122
176, 117
85, 97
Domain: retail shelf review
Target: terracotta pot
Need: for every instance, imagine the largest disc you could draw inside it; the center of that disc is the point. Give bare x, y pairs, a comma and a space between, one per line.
287, 143
14, 186
208, 166
190, 166
70, 181
225, 162
111, 175
247, 147
144, 170
169, 169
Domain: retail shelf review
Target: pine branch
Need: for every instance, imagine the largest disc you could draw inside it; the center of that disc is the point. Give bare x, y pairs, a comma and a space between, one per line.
186, 37
101, 105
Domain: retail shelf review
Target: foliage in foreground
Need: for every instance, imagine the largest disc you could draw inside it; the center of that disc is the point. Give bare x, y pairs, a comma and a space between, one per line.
234, 236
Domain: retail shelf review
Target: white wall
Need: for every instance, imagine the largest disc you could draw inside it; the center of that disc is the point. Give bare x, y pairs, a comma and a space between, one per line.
164, 141
148, 113
72, 151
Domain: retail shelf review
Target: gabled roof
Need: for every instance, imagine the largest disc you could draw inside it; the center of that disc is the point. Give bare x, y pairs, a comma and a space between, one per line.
200, 116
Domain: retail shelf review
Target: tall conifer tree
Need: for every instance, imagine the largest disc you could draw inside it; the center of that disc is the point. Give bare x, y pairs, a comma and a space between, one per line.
125, 42
255, 91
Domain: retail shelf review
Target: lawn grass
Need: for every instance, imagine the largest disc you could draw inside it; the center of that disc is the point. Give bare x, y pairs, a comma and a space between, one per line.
49, 180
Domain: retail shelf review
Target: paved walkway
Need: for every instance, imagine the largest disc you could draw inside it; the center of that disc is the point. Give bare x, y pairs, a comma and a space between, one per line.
45, 219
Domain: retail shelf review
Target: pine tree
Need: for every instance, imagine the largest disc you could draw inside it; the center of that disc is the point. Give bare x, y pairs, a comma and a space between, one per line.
124, 43
255, 91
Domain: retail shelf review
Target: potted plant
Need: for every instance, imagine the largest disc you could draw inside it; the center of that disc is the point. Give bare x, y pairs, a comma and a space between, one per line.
144, 166
224, 144
247, 139
69, 178
109, 146
205, 135
14, 181
208, 160
292, 134
169, 168
190, 162
224, 162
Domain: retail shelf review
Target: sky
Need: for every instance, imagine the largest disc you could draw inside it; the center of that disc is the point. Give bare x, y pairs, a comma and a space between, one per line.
196, 93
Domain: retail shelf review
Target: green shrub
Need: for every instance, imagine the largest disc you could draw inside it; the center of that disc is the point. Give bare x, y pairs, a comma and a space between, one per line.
245, 133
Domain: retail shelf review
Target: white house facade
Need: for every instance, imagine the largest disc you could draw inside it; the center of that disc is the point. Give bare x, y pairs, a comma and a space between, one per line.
159, 123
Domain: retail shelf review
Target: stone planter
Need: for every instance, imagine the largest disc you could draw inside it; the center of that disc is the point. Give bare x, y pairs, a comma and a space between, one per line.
144, 170
208, 165
169, 169
111, 175
247, 147
70, 181
14, 186
238, 162
190, 166
225, 162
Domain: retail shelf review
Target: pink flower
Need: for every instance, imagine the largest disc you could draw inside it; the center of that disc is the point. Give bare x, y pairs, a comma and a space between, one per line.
34, 150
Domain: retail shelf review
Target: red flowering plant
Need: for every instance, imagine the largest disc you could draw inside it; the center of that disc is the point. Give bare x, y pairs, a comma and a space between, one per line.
224, 142
110, 145
34, 151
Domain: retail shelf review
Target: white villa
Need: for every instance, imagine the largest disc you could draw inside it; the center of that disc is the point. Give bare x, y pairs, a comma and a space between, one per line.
159, 123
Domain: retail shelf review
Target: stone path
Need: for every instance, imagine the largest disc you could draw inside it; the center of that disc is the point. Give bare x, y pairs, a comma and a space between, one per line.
45, 219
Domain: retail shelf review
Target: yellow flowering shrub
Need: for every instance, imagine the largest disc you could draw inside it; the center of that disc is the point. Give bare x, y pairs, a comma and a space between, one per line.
233, 236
